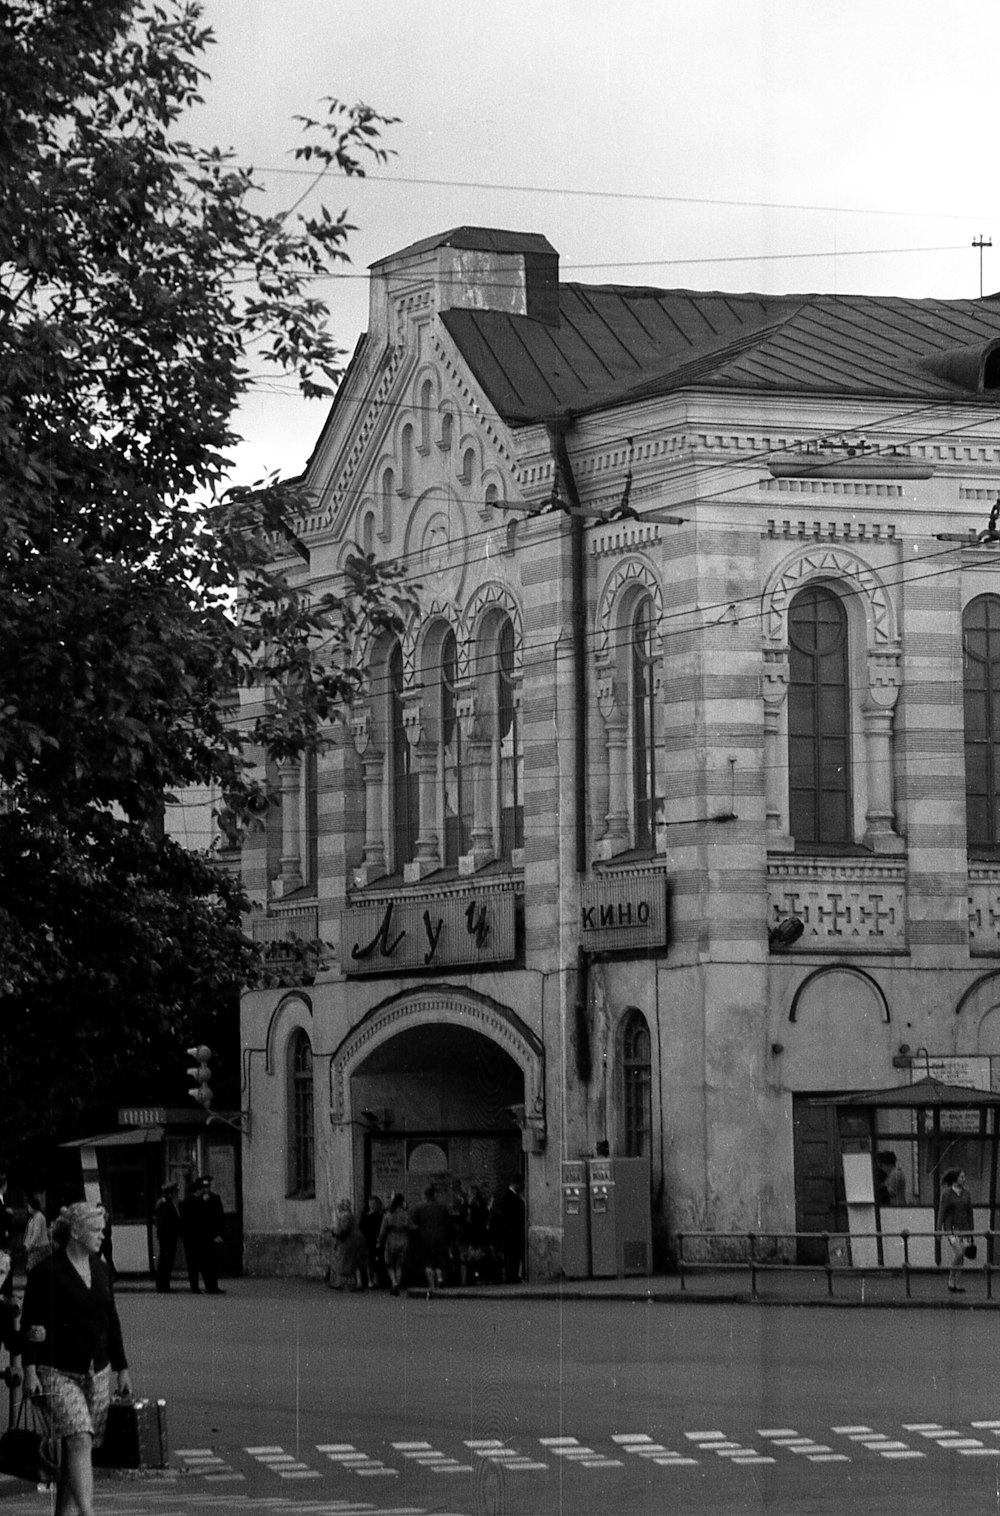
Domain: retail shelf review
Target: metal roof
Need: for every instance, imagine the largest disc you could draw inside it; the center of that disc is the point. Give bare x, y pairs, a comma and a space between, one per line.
922, 1092
615, 344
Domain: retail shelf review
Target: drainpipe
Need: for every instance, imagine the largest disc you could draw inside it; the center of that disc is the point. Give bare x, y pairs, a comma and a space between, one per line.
557, 430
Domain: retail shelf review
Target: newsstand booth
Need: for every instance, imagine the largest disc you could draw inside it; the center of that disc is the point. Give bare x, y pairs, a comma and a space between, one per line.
125, 1171
931, 1127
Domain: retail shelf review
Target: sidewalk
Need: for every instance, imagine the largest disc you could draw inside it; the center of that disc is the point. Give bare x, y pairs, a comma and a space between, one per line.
706, 1285
775, 1286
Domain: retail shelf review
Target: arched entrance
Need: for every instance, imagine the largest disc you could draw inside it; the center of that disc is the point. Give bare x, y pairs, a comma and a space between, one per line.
436, 1103
439, 1084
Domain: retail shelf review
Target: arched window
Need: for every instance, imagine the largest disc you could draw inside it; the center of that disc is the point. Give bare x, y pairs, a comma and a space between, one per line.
454, 785
403, 786
643, 712
301, 1124
509, 760
637, 1079
981, 638
819, 771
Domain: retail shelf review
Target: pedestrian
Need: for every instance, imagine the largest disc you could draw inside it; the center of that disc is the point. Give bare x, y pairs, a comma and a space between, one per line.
36, 1234
477, 1236
394, 1241
431, 1224
371, 1230
167, 1225
6, 1240
892, 1183
508, 1224
202, 1219
349, 1264
955, 1220
71, 1346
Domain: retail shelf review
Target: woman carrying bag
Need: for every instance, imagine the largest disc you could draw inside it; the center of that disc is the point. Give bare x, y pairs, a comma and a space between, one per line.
72, 1344
955, 1220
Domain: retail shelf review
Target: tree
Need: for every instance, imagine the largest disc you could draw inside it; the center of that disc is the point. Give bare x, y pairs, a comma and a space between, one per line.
140, 291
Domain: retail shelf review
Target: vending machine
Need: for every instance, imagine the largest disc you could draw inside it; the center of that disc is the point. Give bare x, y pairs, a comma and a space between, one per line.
621, 1223
575, 1220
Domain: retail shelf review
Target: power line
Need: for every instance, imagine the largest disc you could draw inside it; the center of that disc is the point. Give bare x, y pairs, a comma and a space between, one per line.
632, 195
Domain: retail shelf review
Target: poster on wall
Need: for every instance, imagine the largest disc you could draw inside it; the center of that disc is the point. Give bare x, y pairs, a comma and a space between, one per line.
222, 1167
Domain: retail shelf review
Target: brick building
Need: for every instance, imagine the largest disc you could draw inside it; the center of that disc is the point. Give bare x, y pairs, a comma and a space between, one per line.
675, 809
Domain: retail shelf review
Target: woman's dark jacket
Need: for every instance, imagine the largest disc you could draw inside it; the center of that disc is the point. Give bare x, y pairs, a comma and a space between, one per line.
80, 1327
955, 1213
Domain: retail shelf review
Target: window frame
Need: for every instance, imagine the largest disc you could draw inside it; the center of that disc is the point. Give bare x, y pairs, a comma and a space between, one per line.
636, 1086
987, 846
300, 1117
823, 735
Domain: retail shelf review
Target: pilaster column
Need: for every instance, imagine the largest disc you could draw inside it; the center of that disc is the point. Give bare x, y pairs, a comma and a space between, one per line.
878, 710
372, 758
290, 787
775, 693
424, 760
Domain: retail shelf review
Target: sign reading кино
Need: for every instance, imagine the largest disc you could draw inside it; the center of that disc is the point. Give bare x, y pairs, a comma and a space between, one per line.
624, 912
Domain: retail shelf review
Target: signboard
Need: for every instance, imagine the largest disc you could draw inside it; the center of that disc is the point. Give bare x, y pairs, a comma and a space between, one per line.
972, 1072
396, 935
623, 912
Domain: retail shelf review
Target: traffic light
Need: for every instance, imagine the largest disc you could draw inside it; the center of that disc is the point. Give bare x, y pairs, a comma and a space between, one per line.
201, 1072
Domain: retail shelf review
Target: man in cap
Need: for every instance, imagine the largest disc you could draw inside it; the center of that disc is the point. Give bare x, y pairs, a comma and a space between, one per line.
202, 1220
167, 1222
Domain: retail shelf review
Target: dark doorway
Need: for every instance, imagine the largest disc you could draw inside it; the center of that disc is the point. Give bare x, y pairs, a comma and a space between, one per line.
819, 1185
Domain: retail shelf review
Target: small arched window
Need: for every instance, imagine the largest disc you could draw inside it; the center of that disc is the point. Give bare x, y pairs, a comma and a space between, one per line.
509, 751
981, 640
637, 1080
454, 783
819, 736
643, 703
301, 1119
403, 795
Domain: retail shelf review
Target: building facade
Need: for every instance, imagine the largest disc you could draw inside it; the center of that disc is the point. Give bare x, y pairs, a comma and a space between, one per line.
674, 814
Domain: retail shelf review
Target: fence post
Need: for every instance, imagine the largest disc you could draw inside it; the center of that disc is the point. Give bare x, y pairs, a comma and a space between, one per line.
828, 1264
906, 1260
680, 1257
988, 1262
753, 1270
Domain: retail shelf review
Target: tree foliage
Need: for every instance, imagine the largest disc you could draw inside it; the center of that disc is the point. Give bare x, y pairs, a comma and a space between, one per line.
142, 290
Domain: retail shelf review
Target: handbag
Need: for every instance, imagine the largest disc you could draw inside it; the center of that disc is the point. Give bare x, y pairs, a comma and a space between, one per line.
970, 1250
27, 1449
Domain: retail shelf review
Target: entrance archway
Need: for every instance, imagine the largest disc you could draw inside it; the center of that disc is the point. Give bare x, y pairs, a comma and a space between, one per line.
440, 1084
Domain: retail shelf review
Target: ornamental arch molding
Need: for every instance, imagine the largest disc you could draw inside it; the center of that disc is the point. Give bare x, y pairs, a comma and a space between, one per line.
440, 1005
632, 574
292, 1011
816, 564
977, 1025
824, 985
492, 596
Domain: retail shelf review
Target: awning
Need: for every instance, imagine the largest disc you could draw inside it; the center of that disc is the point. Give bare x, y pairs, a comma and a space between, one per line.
926, 1092
134, 1138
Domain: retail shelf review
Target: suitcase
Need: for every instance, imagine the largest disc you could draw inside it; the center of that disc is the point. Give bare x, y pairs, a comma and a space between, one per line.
135, 1436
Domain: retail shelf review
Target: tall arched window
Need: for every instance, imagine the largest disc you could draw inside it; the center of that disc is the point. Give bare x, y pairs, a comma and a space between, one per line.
981, 637
403, 796
637, 1079
301, 1124
643, 698
455, 788
819, 775
509, 751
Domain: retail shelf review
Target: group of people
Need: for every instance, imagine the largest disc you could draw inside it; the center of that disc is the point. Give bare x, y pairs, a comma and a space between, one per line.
467, 1241
197, 1221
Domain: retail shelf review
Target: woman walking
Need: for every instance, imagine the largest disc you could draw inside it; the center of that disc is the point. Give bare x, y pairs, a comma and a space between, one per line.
394, 1241
36, 1234
72, 1345
955, 1220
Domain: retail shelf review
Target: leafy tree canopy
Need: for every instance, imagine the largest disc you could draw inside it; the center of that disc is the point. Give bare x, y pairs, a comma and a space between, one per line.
142, 290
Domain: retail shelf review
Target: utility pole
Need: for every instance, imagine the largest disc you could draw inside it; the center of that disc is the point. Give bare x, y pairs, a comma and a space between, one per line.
981, 242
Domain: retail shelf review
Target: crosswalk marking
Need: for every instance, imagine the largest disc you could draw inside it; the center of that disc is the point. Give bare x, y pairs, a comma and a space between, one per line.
495, 1451
641, 1445
806, 1447
428, 1457
575, 1452
723, 1446
349, 1457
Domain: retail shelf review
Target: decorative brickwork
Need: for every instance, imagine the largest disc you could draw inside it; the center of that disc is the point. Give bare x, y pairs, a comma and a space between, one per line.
847, 905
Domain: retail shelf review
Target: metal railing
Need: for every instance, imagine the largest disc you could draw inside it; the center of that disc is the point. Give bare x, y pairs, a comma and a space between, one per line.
758, 1255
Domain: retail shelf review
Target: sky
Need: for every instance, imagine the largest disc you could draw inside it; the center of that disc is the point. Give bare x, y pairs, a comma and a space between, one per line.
768, 145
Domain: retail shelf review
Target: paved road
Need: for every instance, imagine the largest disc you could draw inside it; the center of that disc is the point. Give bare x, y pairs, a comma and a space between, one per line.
289, 1399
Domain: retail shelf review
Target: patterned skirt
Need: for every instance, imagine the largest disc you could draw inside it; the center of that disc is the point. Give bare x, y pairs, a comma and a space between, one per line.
76, 1402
